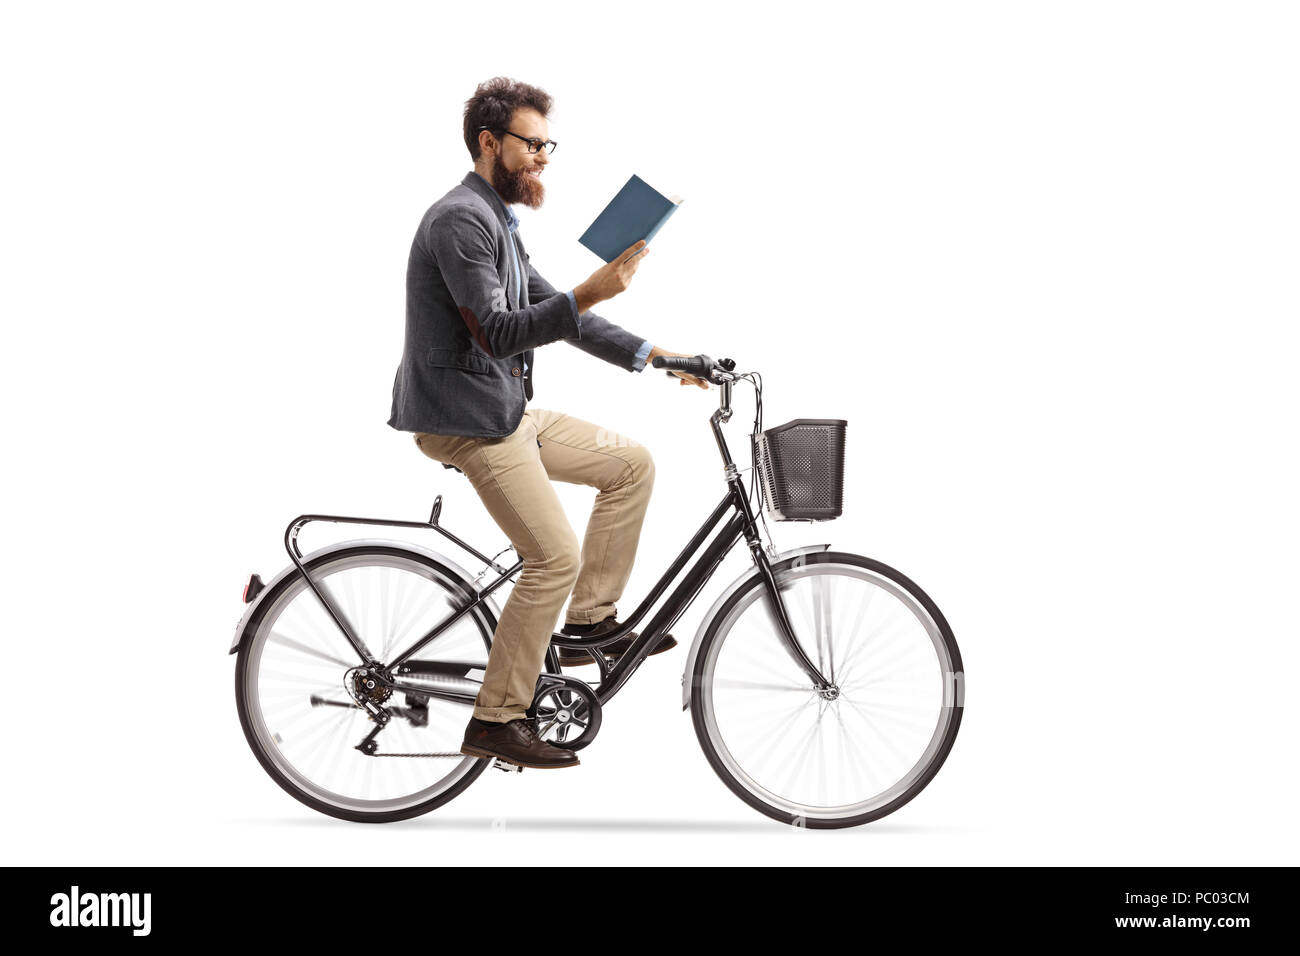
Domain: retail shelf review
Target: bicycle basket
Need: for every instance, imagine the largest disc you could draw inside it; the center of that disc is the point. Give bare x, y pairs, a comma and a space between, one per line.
801, 466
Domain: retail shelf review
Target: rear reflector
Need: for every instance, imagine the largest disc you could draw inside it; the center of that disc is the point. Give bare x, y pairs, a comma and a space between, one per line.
253, 588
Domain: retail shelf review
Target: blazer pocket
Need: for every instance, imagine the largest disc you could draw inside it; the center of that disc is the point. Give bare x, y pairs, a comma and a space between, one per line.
467, 361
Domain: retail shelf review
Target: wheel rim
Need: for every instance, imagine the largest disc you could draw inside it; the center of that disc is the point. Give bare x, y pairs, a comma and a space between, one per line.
298, 706
798, 751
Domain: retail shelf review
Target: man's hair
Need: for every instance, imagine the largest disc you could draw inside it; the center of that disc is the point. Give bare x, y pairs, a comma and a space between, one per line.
494, 103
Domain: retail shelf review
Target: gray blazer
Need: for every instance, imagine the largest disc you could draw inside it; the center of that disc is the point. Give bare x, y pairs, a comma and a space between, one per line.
472, 323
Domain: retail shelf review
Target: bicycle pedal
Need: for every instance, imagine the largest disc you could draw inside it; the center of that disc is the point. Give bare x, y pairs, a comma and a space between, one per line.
507, 767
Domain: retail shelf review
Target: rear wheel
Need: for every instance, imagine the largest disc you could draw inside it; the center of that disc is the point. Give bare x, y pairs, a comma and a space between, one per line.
851, 753
302, 722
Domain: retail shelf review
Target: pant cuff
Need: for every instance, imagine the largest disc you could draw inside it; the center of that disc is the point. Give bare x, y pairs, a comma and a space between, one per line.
594, 616
499, 715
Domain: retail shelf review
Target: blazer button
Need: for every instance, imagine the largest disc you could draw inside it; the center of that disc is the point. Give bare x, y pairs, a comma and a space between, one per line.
515, 372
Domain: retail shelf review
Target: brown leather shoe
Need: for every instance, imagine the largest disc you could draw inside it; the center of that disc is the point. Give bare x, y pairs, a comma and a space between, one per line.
514, 742
573, 657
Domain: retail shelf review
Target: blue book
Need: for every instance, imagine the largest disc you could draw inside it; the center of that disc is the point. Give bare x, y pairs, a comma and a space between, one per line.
637, 212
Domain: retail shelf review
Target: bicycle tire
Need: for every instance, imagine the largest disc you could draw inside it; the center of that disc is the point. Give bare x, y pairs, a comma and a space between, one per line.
707, 725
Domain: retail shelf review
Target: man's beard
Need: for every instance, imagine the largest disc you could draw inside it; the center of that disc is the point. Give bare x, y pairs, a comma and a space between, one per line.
516, 187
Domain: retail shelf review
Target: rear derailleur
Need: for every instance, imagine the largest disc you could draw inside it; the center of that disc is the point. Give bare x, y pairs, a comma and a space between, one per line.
370, 688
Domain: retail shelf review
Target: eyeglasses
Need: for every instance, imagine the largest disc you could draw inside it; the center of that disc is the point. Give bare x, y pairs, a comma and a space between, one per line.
533, 145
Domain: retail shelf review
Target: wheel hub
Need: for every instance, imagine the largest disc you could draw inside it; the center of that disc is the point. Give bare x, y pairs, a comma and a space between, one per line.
371, 683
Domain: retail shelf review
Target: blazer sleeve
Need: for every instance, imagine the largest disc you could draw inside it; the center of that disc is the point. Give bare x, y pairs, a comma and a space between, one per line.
598, 336
465, 252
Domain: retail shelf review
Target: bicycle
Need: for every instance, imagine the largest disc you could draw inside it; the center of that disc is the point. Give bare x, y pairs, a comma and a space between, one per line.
826, 689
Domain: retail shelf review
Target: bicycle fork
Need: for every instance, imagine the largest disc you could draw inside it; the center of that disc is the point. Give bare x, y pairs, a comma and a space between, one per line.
775, 603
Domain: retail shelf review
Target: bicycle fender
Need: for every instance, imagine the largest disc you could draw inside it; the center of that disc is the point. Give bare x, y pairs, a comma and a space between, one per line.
727, 592
451, 565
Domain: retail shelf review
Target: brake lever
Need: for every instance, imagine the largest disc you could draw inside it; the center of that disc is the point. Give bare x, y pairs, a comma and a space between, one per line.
712, 376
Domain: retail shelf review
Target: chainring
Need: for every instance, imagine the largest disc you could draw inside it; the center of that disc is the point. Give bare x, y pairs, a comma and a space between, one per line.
567, 710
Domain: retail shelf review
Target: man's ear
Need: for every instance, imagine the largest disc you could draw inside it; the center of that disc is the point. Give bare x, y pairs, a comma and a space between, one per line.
489, 141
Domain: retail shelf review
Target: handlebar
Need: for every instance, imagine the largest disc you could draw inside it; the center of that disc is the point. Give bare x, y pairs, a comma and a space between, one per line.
701, 366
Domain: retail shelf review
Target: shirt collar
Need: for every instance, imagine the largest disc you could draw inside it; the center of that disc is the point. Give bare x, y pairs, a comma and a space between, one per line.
485, 189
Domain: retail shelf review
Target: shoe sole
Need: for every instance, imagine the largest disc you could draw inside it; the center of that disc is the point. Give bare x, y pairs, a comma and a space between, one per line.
586, 658
475, 752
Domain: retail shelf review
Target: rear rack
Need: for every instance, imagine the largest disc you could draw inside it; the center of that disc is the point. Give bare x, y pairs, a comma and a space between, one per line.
300, 522
295, 555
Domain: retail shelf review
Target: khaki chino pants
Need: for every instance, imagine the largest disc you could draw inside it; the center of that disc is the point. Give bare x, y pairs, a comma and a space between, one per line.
512, 476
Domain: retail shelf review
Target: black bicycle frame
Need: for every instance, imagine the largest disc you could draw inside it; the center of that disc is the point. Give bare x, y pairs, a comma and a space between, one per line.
741, 522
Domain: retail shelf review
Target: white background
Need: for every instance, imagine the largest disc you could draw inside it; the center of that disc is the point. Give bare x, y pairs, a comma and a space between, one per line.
1042, 257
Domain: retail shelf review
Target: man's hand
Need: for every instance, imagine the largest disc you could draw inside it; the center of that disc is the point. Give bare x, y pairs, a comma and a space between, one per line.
686, 377
612, 278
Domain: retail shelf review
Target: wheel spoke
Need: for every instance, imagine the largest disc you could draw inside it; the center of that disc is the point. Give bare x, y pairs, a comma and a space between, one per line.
310, 683
757, 685
769, 744
385, 613
868, 594
853, 758
286, 641
801, 751
890, 745
325, 634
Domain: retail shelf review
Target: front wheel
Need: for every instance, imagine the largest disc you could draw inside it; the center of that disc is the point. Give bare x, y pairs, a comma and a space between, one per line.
850, 753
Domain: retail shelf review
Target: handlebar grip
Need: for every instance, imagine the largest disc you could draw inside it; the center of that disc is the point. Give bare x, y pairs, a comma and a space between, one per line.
701, 366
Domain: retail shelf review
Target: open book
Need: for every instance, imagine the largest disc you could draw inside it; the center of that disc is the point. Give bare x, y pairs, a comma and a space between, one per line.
638, 211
